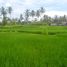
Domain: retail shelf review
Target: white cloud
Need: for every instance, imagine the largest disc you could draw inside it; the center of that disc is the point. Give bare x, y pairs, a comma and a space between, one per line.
28, 2
8, 4
53, 13
52, 5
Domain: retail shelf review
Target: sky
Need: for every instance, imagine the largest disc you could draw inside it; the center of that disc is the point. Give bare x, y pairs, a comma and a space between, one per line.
52, 7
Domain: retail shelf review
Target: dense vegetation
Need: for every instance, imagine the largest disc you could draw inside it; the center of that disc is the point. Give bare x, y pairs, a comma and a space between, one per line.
30, 17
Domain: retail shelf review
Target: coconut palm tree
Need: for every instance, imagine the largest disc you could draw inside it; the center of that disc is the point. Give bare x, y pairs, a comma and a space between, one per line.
38, 13
3, 13
10, 11
27, 14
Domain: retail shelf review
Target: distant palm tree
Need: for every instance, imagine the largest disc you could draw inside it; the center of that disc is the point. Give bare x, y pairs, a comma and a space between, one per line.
27, 14
38, 13
3, 13
32, 13
21, 17
42, 10
10, 11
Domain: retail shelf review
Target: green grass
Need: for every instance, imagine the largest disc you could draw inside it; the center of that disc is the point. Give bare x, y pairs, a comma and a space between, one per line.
18, 49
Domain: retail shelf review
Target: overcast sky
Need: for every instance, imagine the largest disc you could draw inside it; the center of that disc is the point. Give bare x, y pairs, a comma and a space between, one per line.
52, 7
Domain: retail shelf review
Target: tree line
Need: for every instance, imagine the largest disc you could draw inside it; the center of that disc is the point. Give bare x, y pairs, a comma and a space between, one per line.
36, 14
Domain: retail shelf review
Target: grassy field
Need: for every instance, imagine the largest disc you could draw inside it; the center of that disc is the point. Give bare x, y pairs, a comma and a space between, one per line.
33, 46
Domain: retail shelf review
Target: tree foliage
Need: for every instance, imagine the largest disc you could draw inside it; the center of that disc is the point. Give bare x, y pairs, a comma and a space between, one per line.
27, 14
38, 13
32, 13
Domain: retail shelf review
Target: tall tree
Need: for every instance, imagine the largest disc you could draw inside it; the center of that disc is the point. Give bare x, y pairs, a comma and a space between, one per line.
38, 13
10, 11
56, 19
32, 13
3, 13
21, 17
42, 10
64, 18
27, 14
45, 17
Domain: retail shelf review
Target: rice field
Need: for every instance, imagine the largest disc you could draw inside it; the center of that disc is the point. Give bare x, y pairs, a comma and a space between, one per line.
33, 46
